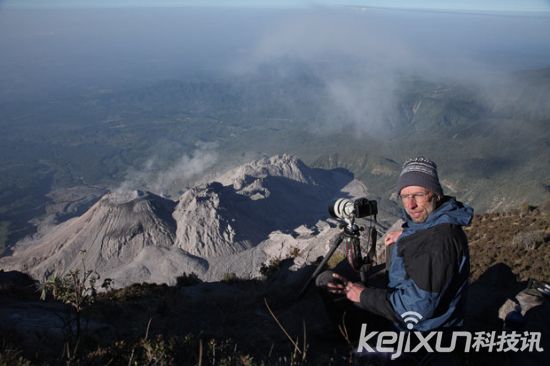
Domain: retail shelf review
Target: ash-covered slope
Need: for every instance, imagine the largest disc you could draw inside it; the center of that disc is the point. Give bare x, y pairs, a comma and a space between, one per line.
250, 215
251, 201
111, 237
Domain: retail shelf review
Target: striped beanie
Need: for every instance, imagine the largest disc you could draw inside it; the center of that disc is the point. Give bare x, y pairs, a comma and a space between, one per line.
420, 172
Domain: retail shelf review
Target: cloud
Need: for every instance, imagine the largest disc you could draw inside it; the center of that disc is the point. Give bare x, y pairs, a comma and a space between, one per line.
356, 61
363, 56
168, 181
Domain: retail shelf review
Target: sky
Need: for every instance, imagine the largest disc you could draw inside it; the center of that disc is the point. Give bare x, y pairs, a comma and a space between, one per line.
445, 5
359, 54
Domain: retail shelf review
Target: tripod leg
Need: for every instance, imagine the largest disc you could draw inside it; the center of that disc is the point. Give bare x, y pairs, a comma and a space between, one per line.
321, 265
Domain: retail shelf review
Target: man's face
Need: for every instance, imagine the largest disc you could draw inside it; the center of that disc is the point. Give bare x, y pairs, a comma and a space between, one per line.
418, 202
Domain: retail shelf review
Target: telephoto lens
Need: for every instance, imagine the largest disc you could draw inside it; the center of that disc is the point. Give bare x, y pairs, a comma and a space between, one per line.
342, 208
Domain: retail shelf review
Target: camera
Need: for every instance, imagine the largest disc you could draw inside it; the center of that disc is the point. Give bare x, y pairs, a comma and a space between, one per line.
344, 208
348, 210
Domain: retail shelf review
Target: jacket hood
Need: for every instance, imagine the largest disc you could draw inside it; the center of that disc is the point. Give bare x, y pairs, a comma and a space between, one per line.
450, 211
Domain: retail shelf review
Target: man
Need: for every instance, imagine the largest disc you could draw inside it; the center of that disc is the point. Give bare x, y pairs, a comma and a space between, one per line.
429, 268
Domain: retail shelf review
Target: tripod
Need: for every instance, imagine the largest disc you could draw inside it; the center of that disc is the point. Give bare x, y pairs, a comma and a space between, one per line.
351, 236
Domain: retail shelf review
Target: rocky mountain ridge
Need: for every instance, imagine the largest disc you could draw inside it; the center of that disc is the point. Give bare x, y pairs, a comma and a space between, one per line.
248, 216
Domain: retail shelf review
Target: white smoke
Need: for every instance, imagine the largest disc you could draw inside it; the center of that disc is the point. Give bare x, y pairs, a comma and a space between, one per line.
369, 103
170, 181
363, 57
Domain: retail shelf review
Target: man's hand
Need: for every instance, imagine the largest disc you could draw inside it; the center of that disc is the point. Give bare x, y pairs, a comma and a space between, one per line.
392, 237
342, 286
338, 285
354, 290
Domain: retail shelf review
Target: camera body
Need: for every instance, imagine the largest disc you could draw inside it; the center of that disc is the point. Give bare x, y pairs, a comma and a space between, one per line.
344, 208
365, 207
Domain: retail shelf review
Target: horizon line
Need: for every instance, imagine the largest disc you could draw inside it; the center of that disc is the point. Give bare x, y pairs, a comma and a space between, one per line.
540, 12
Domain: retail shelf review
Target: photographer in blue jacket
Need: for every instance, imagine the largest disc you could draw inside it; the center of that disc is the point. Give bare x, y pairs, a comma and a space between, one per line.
429, 262
429, 266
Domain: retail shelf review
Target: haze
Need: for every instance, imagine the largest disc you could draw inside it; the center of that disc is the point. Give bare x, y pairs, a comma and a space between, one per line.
56, 50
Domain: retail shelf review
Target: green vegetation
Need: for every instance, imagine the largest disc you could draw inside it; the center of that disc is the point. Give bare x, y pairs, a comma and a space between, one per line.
76, 289
336, 258
230, 277
268, 269
187, 279
12, 356
294, 252
162, 351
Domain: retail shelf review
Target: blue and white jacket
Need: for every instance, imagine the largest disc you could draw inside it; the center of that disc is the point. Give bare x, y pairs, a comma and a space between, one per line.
429, 270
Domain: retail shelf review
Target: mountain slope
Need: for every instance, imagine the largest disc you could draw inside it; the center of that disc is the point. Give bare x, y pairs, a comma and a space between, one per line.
111, 234
231, 225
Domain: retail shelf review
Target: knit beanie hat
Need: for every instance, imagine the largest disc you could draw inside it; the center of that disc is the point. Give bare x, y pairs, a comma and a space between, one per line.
420, 172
